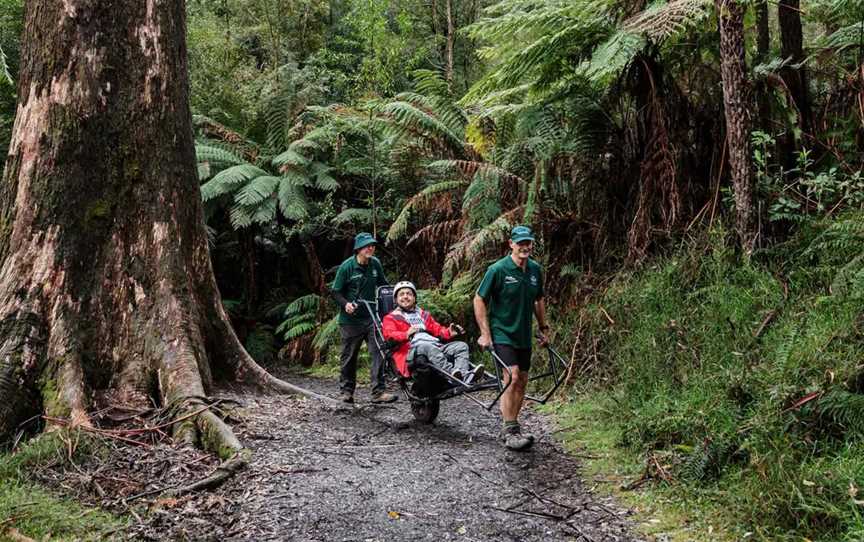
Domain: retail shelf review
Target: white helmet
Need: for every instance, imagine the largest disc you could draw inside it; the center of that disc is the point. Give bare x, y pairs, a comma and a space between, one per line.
404, 284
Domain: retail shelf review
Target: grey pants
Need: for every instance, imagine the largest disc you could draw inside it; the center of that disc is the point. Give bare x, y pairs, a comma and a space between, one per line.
352, 337
448, 358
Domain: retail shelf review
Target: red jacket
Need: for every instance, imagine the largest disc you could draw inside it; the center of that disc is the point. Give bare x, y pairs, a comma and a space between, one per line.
395, 327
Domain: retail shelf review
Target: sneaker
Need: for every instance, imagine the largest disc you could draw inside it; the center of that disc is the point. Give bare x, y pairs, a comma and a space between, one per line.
383, 397
475, 375
346, 397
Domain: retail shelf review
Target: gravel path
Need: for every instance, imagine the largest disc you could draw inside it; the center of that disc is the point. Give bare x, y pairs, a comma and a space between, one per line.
376, 475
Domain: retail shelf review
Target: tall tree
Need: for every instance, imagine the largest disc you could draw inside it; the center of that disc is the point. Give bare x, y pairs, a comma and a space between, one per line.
793, 73
451, 40
106, 288
736, 101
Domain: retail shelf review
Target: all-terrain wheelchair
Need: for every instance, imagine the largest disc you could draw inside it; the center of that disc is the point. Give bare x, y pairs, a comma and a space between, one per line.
427, 385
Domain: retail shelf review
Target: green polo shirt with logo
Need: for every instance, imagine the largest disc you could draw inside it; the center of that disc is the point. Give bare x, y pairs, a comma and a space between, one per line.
510, 293
356, 282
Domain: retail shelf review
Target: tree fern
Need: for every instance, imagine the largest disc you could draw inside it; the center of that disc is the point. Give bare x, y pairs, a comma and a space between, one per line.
399, 226
229, 180
256, 190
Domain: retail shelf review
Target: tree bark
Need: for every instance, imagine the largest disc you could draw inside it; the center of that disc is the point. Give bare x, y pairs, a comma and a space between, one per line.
106, 286
763, 45
451, 40
792, 49
736, 100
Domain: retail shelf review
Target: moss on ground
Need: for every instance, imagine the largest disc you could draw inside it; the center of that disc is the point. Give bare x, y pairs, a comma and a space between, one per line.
30, 510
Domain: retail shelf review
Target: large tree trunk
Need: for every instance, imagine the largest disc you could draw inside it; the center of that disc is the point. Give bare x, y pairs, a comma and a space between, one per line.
795, 79
736, 101
451, 42
763, 45
792, 49
106, 287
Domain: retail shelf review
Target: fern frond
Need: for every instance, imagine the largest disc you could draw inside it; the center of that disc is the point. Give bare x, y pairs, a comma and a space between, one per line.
214, 153
409, 118
400, 225
290, 157
360, 216
303, 304
292, 200
4, 69
327, 334
265, 212
240, 216
257, 190
229, 180
663, 20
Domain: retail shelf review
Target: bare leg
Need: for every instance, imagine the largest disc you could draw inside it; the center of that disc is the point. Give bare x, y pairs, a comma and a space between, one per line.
514, 396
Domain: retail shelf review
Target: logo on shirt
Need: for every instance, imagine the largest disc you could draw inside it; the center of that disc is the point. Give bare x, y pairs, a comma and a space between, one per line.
356, 276
510, 280
533, 280
375, 273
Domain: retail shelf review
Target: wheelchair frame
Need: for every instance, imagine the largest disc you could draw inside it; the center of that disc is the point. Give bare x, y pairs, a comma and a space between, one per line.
427, 406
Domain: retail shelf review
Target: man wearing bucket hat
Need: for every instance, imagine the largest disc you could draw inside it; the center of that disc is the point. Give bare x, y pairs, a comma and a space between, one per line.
509, 294
357, 278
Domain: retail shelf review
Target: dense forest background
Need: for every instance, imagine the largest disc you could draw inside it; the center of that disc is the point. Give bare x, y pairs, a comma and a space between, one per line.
692, 168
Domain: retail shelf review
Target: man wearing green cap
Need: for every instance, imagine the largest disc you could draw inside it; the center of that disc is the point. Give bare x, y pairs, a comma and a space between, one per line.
356, 279
509, 294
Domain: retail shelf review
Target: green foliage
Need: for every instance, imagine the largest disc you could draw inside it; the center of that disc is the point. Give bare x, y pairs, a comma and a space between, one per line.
748, 389
46, 515
261, 344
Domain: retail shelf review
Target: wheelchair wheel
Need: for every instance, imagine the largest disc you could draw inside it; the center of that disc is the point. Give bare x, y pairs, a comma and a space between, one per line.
425, 411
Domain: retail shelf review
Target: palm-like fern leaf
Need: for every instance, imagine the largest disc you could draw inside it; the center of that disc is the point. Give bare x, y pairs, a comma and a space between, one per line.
229, 180
412, 119
257, 190
400, 225
292, 200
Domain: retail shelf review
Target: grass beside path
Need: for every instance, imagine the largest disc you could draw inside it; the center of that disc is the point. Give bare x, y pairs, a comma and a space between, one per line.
662, 511
28, 509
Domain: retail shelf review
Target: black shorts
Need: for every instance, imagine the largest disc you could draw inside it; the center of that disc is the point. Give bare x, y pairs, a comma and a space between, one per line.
514, 356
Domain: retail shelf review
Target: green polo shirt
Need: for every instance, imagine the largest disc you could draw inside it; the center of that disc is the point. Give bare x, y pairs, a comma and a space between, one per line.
510, 293
356, 282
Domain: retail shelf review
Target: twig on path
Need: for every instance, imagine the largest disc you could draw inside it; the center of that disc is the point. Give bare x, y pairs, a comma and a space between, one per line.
544, 515
517, 486
579, 531
296, 471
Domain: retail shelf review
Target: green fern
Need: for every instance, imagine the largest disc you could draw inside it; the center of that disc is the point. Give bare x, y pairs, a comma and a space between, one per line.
844, 409
5, 76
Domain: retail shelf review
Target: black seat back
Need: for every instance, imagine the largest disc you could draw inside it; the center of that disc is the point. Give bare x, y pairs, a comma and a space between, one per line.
385, 301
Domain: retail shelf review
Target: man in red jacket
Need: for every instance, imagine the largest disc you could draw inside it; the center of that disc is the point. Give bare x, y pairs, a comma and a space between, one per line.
420, 335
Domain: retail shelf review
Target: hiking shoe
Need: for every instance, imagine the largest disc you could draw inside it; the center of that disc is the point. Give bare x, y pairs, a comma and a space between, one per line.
346, 397
383, 397
518, 442
514, 439
475, 375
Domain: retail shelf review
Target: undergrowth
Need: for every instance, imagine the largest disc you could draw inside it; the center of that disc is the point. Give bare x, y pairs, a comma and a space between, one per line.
741, 379
29, 510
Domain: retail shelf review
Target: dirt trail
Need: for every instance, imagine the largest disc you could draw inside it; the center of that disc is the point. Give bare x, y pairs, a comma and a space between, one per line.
376, 475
